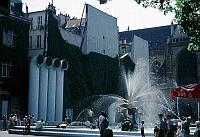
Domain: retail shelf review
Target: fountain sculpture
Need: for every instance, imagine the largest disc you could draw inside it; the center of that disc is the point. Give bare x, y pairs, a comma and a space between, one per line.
145, 101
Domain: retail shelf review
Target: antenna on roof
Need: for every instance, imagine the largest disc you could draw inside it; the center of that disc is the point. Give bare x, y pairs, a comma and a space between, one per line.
52, 2
26, 8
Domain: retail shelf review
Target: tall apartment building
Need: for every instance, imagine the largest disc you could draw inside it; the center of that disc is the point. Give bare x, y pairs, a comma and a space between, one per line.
101, 33
39, 30
78, 32
14, 32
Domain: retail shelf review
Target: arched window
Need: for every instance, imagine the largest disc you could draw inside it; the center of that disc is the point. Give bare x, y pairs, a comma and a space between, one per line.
187, 68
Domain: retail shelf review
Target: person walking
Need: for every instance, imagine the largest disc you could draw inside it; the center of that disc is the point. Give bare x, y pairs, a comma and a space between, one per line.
171, 128
29, 124
11, 120
197, 131
5, 121
142, 129
186, 127
103, 123
165, 127
161, 126
15, 119
155, 131
25, 123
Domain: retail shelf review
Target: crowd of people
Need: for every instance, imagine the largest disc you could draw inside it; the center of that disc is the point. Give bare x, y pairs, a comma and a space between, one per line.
9, 121
173, 128
167, 126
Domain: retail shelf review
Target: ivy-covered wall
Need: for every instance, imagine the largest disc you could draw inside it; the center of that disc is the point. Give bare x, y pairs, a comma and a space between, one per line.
91, 74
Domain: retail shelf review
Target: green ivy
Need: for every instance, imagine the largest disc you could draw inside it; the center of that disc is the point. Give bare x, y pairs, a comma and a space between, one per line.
88, 75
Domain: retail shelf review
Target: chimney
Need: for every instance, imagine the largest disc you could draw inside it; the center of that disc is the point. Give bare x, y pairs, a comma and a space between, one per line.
26, 11
172, 28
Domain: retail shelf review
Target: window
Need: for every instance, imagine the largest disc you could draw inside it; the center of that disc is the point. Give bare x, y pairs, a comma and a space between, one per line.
38, 41
6, 70
39, 21
8, 38
124, 50
30, 42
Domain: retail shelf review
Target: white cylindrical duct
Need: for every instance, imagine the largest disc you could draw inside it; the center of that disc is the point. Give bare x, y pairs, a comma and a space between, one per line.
43, 88
64, 64
59, 91
34, 85
51, 91
59, 94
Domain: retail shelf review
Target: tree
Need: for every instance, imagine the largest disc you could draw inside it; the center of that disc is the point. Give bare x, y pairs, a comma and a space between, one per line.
187, 15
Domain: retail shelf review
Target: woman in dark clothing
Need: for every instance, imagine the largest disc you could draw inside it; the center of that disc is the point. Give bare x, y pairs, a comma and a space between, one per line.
103, 123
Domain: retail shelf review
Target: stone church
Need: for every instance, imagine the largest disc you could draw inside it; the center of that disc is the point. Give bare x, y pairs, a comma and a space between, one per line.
171, 63
168, 54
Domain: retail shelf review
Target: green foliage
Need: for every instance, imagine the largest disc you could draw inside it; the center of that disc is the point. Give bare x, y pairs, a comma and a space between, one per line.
188, 16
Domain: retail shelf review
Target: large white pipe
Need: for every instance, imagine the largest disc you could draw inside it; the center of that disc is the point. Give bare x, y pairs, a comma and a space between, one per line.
34, 85
64, 65
59, 94
43, 84
51, 92
59, 90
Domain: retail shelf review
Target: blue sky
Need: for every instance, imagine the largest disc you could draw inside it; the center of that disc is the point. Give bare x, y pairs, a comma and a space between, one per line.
127, 12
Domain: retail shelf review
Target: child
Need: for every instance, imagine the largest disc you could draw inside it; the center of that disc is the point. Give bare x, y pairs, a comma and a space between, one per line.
156, 130
142, 129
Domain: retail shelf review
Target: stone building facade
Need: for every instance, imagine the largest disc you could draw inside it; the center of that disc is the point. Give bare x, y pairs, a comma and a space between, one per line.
169, 59
171, 63
14, 32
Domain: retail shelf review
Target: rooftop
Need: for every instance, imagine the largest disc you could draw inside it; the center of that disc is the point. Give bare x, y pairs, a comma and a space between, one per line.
155, 36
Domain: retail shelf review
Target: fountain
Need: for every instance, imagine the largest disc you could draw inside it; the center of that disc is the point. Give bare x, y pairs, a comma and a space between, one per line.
148, 99
144, 101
